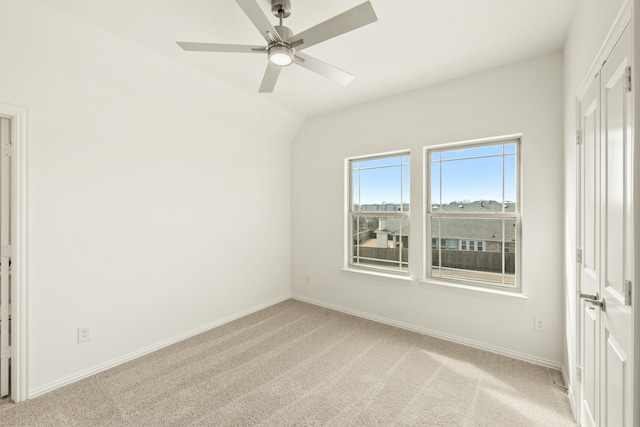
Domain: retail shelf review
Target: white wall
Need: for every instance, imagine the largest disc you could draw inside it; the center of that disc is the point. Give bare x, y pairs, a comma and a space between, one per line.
592, 21
525, 98
154, 193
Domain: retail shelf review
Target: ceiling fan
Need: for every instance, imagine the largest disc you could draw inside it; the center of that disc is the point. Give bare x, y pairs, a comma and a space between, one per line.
283, 46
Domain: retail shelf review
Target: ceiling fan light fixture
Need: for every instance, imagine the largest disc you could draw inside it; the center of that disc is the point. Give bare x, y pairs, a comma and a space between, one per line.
281, 55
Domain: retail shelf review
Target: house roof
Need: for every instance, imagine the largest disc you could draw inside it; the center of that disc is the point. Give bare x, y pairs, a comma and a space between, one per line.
462, 228
473, 229
479, 206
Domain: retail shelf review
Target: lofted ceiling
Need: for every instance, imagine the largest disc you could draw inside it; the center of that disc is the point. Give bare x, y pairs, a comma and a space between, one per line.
415, 43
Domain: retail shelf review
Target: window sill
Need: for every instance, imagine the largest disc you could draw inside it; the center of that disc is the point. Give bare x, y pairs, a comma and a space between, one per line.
399, 278
495, 294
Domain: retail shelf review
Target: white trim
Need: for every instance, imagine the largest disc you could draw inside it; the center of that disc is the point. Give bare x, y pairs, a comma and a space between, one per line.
150, 349
565, 379
475, 290
350, 213
19, 255
618, 27
464, 341
379, 274
379, 155
470, 143
428, 213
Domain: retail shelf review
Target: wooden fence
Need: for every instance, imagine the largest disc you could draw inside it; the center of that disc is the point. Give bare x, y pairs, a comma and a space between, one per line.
475, 260
466, 260
390, 254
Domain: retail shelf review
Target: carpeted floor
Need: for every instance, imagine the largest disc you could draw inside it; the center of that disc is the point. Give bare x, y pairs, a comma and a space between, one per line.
298, 364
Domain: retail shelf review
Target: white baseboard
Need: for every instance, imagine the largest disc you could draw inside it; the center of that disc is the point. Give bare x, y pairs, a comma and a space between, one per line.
471, 343
38, 391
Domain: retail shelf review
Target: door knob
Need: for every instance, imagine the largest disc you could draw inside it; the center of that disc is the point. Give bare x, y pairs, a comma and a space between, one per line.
594, 300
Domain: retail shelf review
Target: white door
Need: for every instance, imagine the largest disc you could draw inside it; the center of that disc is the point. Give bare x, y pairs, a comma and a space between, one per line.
605, 237
616, 329
588, 168
5, 232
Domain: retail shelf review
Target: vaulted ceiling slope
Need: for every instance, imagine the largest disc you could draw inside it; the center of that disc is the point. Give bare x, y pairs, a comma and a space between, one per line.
414, 43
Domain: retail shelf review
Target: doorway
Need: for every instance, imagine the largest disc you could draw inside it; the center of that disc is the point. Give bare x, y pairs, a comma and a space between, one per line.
605, 170
5, 256
13, 253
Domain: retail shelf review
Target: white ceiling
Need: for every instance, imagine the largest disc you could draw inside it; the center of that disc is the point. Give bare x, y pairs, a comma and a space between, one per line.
415, 43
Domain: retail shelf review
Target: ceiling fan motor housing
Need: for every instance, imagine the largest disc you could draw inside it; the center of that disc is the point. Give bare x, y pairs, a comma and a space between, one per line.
285, 32
281, 5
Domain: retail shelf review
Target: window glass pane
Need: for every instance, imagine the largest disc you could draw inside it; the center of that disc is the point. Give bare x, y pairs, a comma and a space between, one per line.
435, 269
435, 186
385, 161
355, 190
380, 186
405, 188
480, 257
510, 183
472, 180
381, 242
510, 148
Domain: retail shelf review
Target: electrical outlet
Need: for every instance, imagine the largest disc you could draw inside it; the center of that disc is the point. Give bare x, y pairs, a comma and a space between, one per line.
538, 324
84, 334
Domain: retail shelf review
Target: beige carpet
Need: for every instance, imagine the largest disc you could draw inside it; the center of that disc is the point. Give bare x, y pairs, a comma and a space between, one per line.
298, 364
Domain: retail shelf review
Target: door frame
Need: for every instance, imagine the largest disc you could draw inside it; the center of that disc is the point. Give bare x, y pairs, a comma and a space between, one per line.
19, 290
628, 15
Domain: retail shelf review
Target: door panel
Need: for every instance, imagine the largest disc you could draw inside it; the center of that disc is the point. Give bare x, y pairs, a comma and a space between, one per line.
589, 241
615, 370
4, 260
590, 367
591, 126
617, 237
605, 235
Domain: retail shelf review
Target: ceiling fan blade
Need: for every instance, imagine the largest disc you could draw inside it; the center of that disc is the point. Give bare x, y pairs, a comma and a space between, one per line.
324, 69
214, 47
260, 21
350, 20
270, 78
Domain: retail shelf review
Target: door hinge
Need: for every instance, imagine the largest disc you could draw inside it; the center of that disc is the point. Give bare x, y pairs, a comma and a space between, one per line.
627, 79
5, 353
579, 256
579, 374
7, 148
578, 137
627, 292
5, 252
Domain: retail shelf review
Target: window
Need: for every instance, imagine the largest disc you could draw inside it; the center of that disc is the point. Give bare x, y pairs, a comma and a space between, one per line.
378, 212
473, 197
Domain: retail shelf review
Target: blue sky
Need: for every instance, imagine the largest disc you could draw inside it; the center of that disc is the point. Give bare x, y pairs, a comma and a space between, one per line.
467, 174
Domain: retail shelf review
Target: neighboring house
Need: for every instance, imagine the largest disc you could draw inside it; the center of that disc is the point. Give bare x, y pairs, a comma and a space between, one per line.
475, 234
391, 233
463, 234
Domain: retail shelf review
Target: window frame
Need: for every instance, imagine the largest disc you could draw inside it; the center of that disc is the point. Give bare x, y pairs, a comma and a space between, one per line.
350, 214
429, 214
